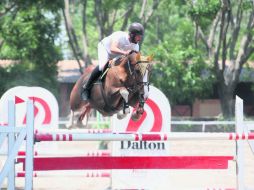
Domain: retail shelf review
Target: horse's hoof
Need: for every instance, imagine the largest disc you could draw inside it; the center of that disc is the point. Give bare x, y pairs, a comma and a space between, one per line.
135, 117
121, 116
68, 126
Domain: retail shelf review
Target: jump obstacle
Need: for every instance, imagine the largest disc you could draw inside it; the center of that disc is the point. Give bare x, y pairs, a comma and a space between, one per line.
70, 136
35, 163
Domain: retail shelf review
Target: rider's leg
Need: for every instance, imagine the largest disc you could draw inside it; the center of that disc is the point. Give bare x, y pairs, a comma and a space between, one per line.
102, 59
92, 78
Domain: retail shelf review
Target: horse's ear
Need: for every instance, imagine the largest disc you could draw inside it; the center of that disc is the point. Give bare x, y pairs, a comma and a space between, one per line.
149, 58
138, 57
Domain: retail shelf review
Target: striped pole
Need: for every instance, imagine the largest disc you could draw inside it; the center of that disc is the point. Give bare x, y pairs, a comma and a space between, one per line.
88, 174
129, 162
86, 153
90, 131
72, 136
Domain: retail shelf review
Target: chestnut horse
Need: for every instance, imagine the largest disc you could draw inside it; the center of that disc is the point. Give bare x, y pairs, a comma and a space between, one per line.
120, 86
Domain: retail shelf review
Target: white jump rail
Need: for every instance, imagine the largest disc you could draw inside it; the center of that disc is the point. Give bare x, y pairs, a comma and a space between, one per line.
46, 135
14, 144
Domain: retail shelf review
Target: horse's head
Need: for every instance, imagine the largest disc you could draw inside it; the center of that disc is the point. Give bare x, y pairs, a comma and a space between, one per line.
139, 64
131, 69
134, 57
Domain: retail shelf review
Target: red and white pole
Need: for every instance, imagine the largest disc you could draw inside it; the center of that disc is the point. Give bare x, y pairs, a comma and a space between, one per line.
70, 136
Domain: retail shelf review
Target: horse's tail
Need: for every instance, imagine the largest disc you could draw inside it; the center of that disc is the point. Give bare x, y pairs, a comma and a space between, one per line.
75, 96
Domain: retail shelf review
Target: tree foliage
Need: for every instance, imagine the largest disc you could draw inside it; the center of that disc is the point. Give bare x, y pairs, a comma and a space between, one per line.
28, 32
180, 70
166, 36
195, 43
227, 37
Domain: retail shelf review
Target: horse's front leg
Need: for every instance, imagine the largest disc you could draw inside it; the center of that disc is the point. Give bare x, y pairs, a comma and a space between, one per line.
125, 94
139, 110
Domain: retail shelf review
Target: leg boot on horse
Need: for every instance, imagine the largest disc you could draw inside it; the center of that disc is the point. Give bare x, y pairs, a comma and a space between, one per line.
86, 88
136, 115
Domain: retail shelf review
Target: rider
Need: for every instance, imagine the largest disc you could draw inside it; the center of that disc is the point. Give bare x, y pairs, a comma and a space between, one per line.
118, 43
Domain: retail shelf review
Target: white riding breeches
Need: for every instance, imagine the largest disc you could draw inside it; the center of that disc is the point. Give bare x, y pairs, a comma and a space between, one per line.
103, 56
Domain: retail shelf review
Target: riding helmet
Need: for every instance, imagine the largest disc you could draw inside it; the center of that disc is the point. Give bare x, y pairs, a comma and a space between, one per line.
136, 29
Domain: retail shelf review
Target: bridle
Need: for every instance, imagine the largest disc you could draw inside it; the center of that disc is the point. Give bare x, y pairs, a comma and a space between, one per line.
136, 75
135, 72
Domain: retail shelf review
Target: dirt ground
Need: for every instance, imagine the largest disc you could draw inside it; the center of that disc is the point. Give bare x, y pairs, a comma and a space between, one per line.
178, 179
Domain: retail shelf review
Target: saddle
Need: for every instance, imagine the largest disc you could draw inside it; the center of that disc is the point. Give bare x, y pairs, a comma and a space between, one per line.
108, 65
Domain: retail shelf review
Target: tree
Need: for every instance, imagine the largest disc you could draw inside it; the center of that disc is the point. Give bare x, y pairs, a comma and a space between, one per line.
104, 17
180, 71
225, 28
28, 31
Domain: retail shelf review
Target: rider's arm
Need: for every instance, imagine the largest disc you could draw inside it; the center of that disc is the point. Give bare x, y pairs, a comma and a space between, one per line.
114, 48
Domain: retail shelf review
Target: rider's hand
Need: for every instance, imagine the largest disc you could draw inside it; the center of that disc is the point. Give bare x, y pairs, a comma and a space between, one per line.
127, 52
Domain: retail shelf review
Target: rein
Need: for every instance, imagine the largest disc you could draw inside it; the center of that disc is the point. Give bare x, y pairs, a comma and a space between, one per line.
133, 72
129, 67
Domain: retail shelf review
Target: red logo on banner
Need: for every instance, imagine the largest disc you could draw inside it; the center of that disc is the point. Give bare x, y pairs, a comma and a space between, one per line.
157, 124
43, 103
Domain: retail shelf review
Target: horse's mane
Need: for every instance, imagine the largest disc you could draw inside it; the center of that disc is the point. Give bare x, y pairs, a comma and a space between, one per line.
124, 58
115, 62
119, 60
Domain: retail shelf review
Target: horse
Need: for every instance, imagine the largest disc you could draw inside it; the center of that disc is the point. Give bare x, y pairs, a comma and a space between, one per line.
120, 86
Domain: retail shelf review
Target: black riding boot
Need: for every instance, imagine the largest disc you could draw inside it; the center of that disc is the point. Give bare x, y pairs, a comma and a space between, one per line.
93, 77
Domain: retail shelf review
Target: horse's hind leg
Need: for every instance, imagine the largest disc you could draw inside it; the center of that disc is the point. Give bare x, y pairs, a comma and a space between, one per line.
71, 120
83, 120
86, 109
